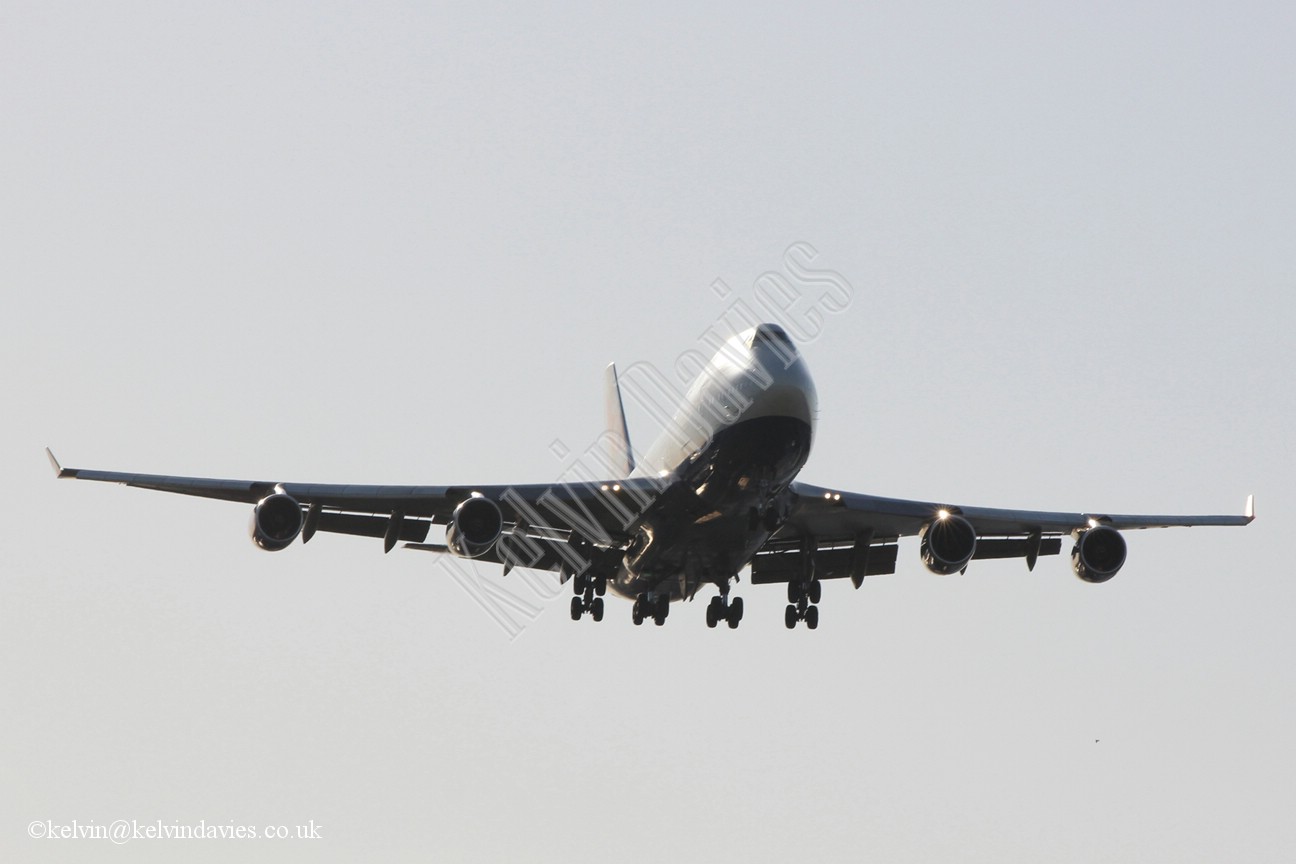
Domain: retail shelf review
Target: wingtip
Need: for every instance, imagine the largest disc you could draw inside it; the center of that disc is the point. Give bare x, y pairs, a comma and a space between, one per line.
59, 470
1250, 508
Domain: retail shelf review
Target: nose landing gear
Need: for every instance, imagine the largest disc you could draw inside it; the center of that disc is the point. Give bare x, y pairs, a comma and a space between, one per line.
651, 606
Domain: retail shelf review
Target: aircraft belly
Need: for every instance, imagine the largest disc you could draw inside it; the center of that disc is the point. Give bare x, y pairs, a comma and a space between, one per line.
701, 529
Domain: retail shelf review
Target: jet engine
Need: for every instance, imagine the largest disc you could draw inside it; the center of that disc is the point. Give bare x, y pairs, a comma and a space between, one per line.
474, 527
947, 543
1098, 554
276, 522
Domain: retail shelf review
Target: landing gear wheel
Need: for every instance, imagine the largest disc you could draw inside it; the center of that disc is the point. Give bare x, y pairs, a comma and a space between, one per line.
661, 608
735, 613
795, 594
600, 587
638, 614
713, 612
596, 609
811, 617
816, 591
790, 616
577, 608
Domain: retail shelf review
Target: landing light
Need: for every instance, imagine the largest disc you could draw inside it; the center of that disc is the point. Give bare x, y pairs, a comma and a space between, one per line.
1093, 523
942, 514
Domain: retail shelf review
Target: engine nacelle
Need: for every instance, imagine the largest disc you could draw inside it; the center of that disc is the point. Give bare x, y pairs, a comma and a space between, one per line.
276, 522
1098, 554
947, 544
474, 527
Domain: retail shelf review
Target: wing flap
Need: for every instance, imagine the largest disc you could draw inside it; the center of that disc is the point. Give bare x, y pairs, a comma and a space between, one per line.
360, 525
1013, 547
785, 565
529, 552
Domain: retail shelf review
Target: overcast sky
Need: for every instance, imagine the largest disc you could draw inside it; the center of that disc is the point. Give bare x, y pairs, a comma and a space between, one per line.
386, 243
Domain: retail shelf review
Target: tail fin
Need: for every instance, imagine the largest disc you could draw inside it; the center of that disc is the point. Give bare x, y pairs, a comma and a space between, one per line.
617, 436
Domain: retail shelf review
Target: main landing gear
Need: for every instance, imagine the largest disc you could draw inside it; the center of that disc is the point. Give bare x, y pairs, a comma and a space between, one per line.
721, 608
651, 606
589, 591
802, 597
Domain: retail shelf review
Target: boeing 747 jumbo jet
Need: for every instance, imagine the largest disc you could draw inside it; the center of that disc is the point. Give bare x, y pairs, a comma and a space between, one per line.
717, 493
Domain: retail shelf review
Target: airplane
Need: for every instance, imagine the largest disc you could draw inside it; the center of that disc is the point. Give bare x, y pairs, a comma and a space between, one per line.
715, 494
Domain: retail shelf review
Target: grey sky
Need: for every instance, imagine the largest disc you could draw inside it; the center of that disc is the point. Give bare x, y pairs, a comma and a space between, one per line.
386, 243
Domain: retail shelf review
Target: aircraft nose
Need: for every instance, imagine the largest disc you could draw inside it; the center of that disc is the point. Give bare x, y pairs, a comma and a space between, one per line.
772, 336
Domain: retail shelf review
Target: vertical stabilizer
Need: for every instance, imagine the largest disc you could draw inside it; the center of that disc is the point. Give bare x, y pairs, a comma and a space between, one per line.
618, 436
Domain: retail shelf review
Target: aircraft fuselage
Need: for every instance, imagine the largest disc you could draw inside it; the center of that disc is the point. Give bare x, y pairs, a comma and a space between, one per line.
742, 434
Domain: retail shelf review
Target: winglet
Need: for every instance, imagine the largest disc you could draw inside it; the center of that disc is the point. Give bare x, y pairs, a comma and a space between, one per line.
59, 470
1249, 513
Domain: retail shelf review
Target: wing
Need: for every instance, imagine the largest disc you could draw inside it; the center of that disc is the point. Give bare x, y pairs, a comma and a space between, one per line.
551, 516
833, 514
855, 534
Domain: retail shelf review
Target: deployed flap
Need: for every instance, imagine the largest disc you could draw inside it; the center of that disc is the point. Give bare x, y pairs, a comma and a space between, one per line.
363, 525
785, 565
618, 436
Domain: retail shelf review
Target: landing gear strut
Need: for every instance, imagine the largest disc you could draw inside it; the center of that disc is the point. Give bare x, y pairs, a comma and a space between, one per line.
802, 597
721, 608
651, 606
589, 591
